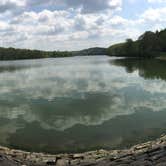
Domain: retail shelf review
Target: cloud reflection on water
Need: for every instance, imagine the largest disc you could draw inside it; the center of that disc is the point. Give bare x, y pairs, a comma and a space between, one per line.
62, 93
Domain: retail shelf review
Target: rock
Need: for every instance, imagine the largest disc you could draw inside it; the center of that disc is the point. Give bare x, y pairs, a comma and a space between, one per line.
7, 162
53, 162
78, 156
161, 164
141, 163
62, 162
75, 162
147, 154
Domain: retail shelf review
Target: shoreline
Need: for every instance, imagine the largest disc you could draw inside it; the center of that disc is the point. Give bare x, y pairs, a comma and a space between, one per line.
145, 154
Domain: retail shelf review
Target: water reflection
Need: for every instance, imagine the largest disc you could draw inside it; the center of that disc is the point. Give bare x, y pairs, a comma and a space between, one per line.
13, 66
147, 68
120, 132
54, 104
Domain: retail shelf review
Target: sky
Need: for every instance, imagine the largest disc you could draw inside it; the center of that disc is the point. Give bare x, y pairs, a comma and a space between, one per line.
77, 24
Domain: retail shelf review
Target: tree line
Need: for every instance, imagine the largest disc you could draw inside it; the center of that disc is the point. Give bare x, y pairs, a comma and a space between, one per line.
15, 54
150, 44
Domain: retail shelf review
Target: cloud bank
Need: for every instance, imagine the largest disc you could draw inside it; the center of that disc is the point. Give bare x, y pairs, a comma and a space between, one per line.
76, 24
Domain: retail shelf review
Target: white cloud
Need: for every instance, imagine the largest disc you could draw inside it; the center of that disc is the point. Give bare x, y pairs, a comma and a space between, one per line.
72, 24
13, 6
155, 15
156, 1
154, 18
85, 6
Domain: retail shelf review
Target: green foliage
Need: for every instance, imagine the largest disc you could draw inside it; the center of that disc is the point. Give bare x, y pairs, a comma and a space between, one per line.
14, 54
91, 51
149, 44
117, 50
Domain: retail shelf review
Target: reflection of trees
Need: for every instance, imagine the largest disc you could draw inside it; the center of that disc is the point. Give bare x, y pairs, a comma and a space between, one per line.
147, 68
15, 67
116, 133
11, 68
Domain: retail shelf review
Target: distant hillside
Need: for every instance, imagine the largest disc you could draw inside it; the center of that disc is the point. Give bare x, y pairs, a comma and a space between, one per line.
149, 44
15, 54
91, 51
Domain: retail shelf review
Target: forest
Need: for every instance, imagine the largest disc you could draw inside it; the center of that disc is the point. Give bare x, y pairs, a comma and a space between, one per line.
150, 44
15, 54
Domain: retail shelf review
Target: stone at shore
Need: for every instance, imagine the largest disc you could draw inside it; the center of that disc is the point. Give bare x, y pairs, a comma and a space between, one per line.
152, 153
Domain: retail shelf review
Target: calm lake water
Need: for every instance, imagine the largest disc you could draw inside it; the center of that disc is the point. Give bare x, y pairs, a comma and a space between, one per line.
81, 103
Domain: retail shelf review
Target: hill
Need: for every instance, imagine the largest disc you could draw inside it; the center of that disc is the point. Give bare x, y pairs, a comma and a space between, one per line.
150, 44
91, 51
16, 54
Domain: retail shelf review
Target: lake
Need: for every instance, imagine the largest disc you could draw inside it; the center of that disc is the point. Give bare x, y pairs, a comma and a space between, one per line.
81, 103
